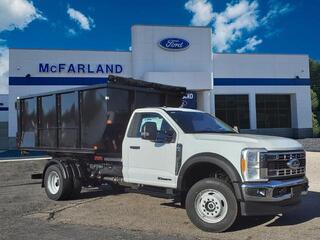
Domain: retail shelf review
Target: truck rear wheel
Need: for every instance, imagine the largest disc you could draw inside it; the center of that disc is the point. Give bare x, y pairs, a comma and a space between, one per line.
76, 187
211, 205
57, 188
76, 182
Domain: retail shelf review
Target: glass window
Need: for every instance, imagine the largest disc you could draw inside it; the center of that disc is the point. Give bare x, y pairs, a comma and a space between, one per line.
69, 117
233, 109
199, 122
48, 121
140, 119
29, 122
273, 111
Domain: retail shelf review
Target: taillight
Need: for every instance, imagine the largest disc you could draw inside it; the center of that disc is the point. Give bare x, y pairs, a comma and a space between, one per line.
98, 158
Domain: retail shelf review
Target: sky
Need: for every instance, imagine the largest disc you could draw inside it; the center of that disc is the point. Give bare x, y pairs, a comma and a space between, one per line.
238, 26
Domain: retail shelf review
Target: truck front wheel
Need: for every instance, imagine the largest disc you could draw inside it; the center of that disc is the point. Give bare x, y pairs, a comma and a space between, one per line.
211, 205
57, 188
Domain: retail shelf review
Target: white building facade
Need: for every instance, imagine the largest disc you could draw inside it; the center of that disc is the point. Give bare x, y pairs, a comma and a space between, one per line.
267, 94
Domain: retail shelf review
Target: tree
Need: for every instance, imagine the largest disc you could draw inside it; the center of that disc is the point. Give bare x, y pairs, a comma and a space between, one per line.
315, 76
315, 96
314, 101
315, 125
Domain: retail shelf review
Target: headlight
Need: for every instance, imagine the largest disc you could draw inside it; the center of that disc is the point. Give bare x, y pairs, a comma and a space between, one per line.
251, 164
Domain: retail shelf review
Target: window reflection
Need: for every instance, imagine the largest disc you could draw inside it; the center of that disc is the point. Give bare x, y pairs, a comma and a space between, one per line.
233, 109
93, 116
68, 120
29, 122
48, 120
273, 111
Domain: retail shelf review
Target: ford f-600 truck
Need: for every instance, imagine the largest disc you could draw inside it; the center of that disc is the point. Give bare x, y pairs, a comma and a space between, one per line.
118, 133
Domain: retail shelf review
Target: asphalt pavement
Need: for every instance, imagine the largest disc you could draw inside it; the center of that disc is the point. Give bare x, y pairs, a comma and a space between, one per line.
26, 213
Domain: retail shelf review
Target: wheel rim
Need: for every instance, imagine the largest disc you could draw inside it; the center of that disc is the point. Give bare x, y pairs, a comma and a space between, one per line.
53, 182
211, 206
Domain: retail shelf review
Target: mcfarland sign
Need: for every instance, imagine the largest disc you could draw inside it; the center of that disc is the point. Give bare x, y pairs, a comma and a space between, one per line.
80, 68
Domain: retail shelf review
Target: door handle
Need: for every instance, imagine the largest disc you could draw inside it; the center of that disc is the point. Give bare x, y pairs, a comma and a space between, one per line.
135, 147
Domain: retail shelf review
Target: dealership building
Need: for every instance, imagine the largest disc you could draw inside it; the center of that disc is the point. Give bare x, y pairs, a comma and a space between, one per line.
259, 93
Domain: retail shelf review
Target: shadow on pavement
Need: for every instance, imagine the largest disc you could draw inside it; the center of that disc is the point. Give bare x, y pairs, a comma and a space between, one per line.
308, 209
101, 191
20, 184
249, 222
172, 204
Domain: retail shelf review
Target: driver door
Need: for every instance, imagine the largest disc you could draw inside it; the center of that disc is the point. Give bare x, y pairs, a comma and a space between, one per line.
152, 162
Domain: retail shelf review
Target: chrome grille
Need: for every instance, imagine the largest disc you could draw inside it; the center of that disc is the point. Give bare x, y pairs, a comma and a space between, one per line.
277, 164
285, 172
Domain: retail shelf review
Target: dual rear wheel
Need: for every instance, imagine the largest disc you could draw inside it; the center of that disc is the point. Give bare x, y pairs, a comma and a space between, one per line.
59, 188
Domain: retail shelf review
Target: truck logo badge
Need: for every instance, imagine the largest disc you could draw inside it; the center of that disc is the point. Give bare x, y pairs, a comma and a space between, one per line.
293, 164
174, 44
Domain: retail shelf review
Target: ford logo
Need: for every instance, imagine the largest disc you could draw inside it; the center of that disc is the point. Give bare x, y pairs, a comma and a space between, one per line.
175, 44
293, 164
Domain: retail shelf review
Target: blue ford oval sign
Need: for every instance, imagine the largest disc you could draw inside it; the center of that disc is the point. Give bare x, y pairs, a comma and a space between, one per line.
174, 44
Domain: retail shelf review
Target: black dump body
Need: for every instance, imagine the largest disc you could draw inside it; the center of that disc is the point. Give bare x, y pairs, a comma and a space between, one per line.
89, 119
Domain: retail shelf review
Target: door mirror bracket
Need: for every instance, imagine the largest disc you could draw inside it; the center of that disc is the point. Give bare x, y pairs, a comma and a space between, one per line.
236, 129
165, 136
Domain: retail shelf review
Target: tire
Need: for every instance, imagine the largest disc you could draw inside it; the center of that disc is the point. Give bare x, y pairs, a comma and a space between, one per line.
183, 197
76, 187
56, 187
76, 183
211, 205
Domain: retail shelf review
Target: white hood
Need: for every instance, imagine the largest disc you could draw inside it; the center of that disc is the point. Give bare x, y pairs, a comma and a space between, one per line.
270, 143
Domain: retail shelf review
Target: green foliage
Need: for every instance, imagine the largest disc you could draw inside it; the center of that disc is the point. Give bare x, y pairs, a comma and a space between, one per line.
315, 96
315, 75
314, 101
315, 125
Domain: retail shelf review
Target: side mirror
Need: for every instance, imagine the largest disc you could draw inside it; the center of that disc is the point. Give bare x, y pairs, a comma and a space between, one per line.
236, 129
149, 131
170, 136
166, 136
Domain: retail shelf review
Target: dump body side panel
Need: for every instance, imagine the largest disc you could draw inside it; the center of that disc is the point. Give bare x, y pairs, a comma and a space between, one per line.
90, 119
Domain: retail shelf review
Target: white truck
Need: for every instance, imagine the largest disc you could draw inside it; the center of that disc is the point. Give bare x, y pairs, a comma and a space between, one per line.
215, 172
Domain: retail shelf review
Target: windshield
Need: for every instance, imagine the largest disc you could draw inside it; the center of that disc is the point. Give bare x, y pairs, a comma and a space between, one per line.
199, 122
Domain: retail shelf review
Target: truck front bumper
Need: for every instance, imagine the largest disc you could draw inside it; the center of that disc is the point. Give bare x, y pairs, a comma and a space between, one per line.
272, 197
